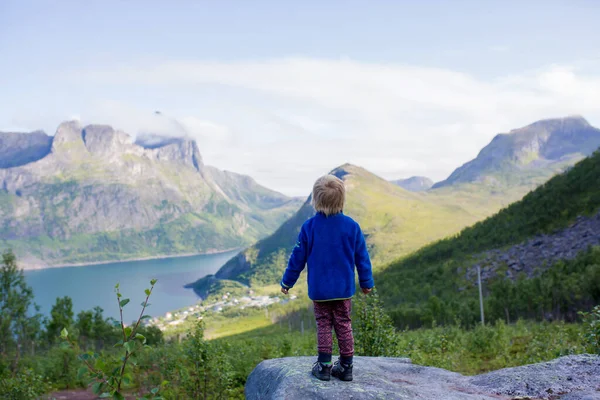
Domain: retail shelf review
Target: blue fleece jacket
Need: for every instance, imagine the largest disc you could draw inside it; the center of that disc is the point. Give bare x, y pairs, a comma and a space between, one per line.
332, 246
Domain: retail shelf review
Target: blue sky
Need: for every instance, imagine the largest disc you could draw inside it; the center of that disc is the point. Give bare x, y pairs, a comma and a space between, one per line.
285, 91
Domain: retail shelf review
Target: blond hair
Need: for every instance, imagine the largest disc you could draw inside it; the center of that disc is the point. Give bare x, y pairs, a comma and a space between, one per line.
328, 195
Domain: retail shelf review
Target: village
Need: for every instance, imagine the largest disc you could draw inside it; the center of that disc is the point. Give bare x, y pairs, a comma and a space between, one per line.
199, 310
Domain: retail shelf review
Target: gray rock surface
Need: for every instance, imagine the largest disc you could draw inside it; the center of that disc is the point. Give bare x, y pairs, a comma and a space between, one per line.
572, 377
22, 148
540, 252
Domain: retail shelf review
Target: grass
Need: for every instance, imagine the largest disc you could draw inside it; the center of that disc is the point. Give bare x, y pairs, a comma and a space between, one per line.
491, 347
223, 326
466, 351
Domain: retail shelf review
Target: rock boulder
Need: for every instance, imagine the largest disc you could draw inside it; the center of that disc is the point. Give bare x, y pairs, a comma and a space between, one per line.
572, 377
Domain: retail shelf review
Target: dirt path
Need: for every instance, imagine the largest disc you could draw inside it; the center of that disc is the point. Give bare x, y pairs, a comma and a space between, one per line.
73, 394
78, 394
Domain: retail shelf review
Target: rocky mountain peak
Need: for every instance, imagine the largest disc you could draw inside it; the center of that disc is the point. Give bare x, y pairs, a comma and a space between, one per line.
104, 139
345, 169
181, 150
556, 124
538, 145
67, 132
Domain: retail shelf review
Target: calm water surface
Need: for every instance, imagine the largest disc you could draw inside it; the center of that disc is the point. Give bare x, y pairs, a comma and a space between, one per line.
93, 285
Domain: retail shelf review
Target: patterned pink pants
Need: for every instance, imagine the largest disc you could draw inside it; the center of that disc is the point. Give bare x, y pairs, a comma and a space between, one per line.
334, 314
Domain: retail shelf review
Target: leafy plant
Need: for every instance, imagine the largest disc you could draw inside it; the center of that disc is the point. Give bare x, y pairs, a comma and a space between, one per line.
374, 332
61, 316
19, 329
208, 373
591, 321
25, 385
112, 383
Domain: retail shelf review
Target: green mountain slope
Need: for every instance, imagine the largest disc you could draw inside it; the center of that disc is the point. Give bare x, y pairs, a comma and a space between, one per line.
397, 222
394, 220
99, 196
431, 285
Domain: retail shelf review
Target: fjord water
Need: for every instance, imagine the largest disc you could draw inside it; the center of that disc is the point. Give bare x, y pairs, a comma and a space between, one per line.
93, 285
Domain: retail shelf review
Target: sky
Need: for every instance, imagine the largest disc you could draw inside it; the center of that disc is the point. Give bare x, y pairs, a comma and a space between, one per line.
285, 91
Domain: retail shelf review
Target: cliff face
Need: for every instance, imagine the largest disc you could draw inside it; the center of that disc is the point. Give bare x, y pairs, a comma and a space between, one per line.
572, 377
95, 194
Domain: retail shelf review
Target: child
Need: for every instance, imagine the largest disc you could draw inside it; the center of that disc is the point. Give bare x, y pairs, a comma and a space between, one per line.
332, 244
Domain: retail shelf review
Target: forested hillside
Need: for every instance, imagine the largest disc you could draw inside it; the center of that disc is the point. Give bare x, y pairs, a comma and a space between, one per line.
430, 285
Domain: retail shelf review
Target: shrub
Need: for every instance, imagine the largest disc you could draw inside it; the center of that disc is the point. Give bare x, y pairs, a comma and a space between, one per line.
591, 334
374, 332
24, 385
110, 377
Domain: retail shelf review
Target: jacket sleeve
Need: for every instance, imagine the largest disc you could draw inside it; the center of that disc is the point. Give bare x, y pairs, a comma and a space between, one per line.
363, 262
297, 261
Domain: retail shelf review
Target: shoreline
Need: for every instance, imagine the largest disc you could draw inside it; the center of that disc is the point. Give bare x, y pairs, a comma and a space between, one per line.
33, 267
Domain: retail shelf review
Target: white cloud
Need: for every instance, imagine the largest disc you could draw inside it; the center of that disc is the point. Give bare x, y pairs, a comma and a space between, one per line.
286, 121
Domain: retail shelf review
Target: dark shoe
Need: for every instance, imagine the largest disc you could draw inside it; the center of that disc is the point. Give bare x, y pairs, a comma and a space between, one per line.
321, 371
342, 371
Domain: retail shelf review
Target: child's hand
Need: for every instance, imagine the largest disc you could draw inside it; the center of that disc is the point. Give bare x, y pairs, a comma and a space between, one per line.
284, 290
366, 291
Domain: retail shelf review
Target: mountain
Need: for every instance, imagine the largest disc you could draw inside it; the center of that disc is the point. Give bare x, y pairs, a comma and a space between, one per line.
529, 155
18, 149
397, 222
414, 183
534, 255
394, 220
93, 194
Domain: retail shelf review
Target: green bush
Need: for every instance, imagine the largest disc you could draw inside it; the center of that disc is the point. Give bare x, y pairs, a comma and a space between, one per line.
374, 332
24, 385
207, 373
108, 376
591, 322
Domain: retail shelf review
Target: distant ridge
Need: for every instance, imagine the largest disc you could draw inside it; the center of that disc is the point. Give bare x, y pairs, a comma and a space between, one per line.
415, 183
545, 145
18, 149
